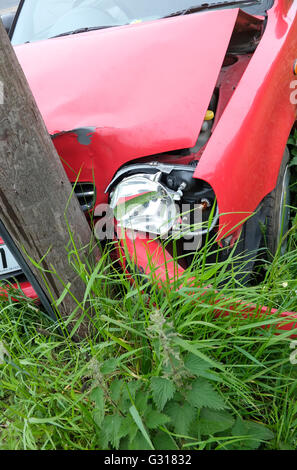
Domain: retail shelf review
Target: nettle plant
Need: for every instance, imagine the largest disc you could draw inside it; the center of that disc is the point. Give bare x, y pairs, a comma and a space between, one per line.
175, 404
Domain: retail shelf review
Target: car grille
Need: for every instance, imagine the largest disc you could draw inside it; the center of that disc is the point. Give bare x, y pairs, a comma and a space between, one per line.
86, 195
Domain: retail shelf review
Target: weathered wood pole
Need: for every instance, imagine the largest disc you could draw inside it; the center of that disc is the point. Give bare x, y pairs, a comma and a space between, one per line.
34, 189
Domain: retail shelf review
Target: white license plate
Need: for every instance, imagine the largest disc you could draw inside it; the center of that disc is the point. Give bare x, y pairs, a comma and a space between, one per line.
8, 264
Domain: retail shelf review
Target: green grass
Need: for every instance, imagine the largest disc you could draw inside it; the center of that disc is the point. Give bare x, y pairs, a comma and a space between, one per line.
160, 371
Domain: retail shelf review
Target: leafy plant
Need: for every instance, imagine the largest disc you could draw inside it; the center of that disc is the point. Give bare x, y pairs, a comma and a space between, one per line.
161, 371
172, 410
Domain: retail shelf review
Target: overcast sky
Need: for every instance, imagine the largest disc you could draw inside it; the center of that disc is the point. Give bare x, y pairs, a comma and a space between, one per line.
4, 4
7, 3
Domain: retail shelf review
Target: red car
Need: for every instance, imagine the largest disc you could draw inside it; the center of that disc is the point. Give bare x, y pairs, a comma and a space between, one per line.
167, 104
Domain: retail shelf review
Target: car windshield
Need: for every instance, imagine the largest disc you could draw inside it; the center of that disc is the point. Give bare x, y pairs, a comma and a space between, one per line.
40, 19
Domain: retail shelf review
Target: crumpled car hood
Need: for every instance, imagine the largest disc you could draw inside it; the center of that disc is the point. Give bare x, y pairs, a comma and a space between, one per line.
145, 87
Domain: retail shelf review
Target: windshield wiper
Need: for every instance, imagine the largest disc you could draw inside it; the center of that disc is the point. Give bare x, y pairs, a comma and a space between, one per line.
85, 30
208, 6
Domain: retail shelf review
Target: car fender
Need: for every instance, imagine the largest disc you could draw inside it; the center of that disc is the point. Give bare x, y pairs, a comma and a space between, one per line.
243, 156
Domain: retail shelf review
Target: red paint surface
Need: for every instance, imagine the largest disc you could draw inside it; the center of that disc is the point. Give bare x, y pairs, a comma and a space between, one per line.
149, 257
242, 158
145, 87
27, 290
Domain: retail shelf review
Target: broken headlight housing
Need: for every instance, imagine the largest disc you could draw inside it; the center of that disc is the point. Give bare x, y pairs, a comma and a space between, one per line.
162, 199
142, 203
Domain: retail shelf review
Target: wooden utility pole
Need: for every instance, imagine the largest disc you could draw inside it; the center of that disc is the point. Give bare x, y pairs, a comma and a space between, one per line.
35, 191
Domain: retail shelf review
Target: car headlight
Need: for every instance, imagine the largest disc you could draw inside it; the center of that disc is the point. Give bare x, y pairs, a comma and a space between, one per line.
140, 202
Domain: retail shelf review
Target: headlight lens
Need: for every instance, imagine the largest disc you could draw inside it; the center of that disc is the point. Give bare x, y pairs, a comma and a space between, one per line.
142, 203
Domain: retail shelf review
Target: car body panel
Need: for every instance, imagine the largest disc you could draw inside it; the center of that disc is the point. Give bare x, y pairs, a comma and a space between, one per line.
242, 158
112, 96
144, 88
166, 271
159, 103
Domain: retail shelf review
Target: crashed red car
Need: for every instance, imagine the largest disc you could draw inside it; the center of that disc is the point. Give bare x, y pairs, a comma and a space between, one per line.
169, 103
